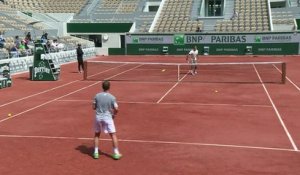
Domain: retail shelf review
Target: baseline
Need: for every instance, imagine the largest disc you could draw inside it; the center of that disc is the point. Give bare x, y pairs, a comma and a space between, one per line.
154, 141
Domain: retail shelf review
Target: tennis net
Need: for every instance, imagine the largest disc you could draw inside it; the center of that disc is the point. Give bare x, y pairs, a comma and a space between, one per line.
227, 72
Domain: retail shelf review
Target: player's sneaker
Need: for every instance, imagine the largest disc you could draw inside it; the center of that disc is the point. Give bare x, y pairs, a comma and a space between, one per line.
96, 155
116, 156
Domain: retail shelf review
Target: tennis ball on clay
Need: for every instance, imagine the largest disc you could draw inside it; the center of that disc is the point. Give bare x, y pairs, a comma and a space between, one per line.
216, 91
9, 115
163, 70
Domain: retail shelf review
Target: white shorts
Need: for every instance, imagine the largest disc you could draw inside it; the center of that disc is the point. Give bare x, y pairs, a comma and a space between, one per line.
193, 61
106, 125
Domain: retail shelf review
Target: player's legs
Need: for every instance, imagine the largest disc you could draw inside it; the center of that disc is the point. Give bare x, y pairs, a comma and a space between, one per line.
115, 144
80, 65
98, 128
111, 129
96, 142
195, 67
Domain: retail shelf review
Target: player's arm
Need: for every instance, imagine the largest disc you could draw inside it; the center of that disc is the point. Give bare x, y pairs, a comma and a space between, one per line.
115, 109
94, 105
187, 57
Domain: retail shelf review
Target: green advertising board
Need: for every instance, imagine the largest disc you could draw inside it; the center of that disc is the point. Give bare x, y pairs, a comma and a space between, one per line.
217, 44
42, 69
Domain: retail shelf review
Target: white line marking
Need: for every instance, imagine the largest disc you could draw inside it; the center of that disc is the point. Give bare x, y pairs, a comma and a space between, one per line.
39, 93
43, 104
154, 141
106, 70
294, 84
42, 92
171, 89
183, 103
276, 111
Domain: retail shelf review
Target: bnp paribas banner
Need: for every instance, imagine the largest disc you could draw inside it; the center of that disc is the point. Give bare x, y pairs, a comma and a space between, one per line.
182, 39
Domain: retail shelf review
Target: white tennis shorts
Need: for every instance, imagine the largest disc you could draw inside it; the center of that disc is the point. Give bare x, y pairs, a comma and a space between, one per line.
105, 125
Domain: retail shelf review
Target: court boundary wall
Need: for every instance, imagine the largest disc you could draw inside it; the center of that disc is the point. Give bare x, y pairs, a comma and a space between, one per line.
283, 43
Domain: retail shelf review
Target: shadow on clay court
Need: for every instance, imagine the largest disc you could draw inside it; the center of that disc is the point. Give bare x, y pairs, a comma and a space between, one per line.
89, 151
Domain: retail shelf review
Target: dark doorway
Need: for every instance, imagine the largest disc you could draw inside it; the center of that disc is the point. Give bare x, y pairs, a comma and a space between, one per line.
214, 8
97, 40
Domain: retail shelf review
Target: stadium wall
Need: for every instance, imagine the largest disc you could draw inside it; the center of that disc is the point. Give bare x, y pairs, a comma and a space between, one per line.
214, 44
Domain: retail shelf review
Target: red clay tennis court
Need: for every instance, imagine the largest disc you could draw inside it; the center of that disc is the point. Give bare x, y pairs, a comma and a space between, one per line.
244, 121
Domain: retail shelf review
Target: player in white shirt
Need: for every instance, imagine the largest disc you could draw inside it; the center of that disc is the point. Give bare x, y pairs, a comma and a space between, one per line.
192, 58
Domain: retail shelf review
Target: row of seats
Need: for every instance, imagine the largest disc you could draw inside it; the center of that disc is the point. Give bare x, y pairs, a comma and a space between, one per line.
48, 6
118, 6
248, 16
283, 18
175, 17
12, 21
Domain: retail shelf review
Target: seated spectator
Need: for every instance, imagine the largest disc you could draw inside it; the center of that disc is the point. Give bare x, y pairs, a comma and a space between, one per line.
17, 41
57, 46
2, 41
235, 15
28, 36
44, 38
22, 49
14, 53
198, 29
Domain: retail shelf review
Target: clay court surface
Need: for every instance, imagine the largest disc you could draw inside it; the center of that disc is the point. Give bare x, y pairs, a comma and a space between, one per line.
164, 127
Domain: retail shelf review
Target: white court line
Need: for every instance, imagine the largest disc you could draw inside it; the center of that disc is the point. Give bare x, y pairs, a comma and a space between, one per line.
182, 103
106, 70
39, 93
294, 84
276, 111
43, 104
171, 89
42, 92
154, 141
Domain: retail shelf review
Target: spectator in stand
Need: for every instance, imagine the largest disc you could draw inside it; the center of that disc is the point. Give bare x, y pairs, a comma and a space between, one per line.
198, 29
44, 38
235, 15
28, 36
14, 53
2, 41
22, 49
17, 41
57, 46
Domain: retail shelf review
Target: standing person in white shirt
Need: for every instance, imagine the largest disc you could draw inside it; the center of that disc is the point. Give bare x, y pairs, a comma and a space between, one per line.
192, 58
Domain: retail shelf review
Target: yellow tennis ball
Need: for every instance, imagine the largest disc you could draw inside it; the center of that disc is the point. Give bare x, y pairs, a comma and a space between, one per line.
163, 70
216, 91
9, 114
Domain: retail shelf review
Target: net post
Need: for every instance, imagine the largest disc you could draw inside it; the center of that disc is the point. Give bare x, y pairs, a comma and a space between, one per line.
85, 70
283, 74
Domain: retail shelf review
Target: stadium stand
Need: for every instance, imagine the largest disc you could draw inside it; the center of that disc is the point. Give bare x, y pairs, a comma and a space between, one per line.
47, 6
248, 16
175, 17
